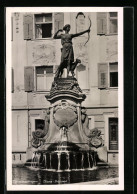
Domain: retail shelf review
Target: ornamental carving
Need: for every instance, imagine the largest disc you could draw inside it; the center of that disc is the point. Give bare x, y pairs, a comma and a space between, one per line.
65, 84
40, 133
65, 114
94, 135
95, 138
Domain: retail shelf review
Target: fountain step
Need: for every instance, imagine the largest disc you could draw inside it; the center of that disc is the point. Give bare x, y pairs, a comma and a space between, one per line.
30, 163
102, 164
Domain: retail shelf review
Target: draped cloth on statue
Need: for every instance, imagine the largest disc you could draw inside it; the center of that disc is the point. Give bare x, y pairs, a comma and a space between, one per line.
67, 50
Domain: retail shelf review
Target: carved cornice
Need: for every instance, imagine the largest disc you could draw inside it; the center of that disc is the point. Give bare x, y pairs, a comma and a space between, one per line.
65, 88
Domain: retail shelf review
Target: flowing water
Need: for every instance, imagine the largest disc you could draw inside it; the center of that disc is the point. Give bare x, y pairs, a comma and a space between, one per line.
34, 176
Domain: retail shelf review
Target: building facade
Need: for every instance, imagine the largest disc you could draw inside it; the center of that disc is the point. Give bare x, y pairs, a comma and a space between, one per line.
35, 58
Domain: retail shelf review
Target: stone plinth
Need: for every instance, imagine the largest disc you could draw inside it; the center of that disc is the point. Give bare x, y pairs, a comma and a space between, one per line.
65, 88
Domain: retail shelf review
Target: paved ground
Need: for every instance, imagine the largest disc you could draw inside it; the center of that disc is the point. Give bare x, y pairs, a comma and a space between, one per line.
112, 181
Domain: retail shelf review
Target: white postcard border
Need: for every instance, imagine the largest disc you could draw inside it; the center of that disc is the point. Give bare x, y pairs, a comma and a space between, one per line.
10, 187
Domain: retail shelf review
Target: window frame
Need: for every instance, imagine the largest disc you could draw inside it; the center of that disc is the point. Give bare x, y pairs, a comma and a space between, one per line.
107, 87
42, 90
109, 134
115, 87
34, 25
108, 24
106, 128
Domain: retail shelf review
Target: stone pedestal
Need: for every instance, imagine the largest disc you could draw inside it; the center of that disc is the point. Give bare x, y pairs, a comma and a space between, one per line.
66, 118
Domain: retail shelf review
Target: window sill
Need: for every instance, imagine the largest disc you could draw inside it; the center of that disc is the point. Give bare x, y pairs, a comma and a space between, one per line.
41, 91
115, 34
109, 88
50, 38
113, 151
113, 88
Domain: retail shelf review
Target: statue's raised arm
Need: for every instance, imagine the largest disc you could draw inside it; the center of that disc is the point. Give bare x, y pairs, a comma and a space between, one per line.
56, 36
67, 53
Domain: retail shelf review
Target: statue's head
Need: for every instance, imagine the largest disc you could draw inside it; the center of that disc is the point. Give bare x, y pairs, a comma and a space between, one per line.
66, 27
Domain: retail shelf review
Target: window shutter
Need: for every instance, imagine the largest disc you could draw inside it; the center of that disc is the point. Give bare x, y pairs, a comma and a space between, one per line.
28, 26
102, 75
12, 80
29, 78
59, 21
101, 23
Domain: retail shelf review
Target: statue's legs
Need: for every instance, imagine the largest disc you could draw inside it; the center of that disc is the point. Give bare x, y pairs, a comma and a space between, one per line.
68, 67
59, 70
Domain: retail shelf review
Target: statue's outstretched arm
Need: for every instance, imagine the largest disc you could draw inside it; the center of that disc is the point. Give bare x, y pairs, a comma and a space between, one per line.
56, 36
80, 33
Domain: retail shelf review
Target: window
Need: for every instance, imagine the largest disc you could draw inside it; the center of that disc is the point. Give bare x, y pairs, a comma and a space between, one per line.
44, 77
43, 25
107, 23
113, 133
39, 124
113, 69
113, 28
102, 75
107, 75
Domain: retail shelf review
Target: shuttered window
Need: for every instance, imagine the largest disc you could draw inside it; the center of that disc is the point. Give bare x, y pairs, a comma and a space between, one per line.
113, 133
29, 78
107, 23
44, 78
102, 75
45, 24
101, 23
28, 26
113, 25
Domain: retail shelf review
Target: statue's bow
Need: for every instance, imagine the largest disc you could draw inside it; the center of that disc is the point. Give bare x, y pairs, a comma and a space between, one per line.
88, 32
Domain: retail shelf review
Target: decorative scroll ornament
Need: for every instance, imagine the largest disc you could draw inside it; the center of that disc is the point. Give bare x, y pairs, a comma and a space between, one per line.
95, 138
39, 135
94, 135
89, 31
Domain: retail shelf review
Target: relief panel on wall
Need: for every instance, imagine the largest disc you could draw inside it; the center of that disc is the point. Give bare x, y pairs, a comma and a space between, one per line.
42, 53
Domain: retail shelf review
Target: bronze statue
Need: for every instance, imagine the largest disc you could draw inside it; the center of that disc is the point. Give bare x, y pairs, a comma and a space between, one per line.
67, 55
72, 67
